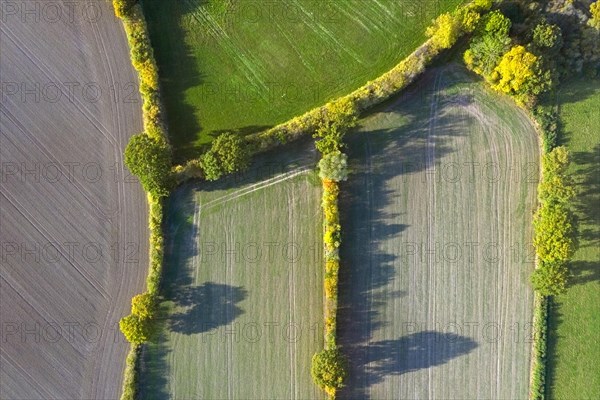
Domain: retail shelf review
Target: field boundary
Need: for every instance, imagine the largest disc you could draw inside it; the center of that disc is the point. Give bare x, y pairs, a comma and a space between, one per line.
539, 346
443, 36
144, 63
444, 33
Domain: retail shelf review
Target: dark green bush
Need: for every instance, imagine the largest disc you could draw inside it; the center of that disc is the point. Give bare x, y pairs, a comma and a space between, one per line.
329, 370
228, 154
150, 160
547, 118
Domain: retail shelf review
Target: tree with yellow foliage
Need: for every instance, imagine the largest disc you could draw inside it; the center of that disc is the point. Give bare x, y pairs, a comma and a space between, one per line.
520, 74
444, 31
594, 22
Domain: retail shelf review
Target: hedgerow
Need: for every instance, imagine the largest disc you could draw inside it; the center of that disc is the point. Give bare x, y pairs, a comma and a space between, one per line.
324, 377
553, 224
537, 384
148, 156
130, 375
228, 154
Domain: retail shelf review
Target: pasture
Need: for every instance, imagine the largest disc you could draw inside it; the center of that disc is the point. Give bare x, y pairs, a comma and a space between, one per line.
574, 320
247, 65
243, 302
435, 300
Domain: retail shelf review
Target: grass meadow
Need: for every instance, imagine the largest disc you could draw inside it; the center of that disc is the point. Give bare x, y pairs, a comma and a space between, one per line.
435, 300
574, 319
247, 65
243, 304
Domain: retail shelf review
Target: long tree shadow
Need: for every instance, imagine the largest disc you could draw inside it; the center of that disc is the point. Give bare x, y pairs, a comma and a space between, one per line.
412, 144
153, 368
178, 71
555, 320
411, 353
587, 202
206, 307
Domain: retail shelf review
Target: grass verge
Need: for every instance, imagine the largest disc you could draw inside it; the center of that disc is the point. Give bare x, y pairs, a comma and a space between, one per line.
574, 320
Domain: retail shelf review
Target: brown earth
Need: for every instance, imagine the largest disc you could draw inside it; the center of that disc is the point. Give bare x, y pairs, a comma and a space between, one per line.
73, 222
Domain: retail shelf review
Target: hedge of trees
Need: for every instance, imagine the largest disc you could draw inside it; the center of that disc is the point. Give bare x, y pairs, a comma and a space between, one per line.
329, 366
526, 57
228, 154
553, 222
150, 160
138, 326
148, 156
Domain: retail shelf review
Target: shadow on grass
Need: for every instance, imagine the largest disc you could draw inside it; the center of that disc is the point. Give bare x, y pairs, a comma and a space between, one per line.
178, 71
207, 307
154, 367
409, 353
587, 203
377, 157
555, 319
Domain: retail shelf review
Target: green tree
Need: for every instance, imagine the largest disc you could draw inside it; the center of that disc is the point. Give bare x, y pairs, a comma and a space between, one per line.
123, 8
485, 52
550, 278
211, 167
232, 152
228, 153
329, 370
334, 166
444, 31
490, 42
338, 118
482, 5
553, 233
143, 305
547, 36
136, 330
150, 160
469, 18
495, 24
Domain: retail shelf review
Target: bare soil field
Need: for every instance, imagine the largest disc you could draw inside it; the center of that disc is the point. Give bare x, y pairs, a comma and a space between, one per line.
73, 223
436, 252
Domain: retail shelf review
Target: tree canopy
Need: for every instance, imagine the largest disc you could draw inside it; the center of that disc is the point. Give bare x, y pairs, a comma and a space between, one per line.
150, 160
444, 31
339, 116
228, 154
334, 166
328, 369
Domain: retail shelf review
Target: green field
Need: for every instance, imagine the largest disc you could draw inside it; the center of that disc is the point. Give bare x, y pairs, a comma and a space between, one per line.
574, 343
436, 251
250, 64
243, 293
